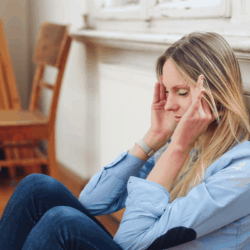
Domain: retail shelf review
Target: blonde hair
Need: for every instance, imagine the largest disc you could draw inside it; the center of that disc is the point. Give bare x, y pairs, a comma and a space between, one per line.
209, 54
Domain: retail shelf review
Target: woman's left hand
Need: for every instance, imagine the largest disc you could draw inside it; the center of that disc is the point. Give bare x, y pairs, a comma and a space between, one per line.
196, 120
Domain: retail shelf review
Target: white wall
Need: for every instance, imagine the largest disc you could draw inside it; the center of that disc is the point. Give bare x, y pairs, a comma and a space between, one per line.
15, 16
75, 124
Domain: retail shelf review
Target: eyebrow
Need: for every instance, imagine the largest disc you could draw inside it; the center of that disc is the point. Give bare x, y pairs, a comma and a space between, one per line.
177, 86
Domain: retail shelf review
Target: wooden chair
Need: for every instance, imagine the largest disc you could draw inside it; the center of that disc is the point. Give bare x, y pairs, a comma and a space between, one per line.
23, 129
10, 99
9, 96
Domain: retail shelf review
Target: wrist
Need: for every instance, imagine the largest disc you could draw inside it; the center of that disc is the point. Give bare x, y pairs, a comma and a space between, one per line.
155, 141
181, 146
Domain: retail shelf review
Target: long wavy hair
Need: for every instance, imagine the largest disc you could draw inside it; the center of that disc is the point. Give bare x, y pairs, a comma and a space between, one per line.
209, 54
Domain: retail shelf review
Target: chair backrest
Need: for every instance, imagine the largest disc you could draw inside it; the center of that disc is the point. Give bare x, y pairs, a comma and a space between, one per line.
52, 49
9, 95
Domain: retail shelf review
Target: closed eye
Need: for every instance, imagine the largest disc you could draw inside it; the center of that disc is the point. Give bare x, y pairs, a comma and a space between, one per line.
181, 93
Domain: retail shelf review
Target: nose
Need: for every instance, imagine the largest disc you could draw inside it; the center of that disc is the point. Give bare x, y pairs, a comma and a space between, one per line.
171, 104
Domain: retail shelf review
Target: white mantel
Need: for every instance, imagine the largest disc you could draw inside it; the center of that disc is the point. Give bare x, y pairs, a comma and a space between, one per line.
151, 42
156, 43
122, 69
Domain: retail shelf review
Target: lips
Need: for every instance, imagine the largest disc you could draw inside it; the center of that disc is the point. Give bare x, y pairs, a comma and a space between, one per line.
177, 118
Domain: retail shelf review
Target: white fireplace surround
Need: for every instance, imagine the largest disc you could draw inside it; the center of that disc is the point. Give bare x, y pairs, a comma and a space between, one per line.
124, 67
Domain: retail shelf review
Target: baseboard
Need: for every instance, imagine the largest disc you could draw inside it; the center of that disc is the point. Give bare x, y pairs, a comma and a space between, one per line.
72, 181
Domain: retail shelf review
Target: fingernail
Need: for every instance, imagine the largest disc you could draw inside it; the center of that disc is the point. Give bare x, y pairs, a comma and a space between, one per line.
202, 77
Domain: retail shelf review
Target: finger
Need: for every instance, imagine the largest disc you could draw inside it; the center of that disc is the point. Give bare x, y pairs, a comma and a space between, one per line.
205, 107
200, 84
197, 94
208, 111
162, 89
156, 98
199, 89
202, 112
201, 78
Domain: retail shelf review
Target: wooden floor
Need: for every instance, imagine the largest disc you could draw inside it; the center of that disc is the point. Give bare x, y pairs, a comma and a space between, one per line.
71, 181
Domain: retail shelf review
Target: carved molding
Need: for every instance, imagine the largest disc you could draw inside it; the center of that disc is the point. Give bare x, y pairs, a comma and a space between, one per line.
191, 8
120, 9
151, 42
163, 9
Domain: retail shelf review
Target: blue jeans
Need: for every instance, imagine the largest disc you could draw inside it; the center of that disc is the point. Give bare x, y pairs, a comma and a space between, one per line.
43, 214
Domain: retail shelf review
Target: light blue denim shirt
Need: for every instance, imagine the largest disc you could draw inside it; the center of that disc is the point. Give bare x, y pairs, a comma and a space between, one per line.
214, 215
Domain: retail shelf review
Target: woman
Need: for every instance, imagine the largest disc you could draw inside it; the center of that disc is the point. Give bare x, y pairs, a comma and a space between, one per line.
192, 194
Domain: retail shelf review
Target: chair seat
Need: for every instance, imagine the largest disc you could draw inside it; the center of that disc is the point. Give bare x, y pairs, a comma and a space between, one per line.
18, 125
21, 117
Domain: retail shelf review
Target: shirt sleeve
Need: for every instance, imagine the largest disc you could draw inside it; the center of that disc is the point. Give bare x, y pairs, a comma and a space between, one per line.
106, 192
151, 222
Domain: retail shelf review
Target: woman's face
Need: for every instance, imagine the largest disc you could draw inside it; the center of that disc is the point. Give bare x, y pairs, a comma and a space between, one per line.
177, 91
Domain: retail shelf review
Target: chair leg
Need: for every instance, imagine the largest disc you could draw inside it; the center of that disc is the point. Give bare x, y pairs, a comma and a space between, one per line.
28, 153
12, 172
52, 161
8, 156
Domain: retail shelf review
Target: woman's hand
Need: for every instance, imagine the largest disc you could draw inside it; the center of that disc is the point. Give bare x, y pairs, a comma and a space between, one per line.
195, 121
162, 121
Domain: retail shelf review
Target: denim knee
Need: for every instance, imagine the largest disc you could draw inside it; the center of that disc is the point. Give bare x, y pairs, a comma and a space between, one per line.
64, 216
38, 182
34, 177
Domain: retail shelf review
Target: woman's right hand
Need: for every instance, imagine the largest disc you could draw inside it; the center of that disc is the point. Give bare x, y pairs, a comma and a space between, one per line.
162, 121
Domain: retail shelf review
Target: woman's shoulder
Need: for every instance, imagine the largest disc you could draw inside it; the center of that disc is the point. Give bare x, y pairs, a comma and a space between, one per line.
240, 152
240, 146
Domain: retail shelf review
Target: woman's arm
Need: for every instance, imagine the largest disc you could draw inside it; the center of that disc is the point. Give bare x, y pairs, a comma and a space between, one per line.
106, 192
192, 124
153, 140
169, 166
150, 221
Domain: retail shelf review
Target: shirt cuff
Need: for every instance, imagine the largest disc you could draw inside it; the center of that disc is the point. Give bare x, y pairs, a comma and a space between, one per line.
128, 165
147, 194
